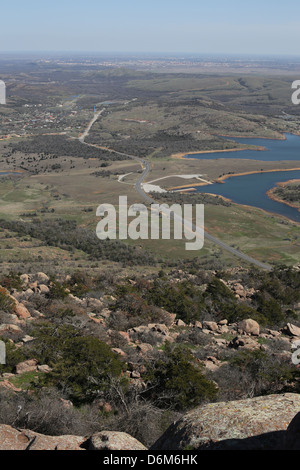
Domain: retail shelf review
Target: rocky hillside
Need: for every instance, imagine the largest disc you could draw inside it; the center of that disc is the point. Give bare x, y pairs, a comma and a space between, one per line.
85, 354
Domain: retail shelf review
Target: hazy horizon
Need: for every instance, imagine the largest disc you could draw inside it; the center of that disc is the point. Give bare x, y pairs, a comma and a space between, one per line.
148, 54
168, 27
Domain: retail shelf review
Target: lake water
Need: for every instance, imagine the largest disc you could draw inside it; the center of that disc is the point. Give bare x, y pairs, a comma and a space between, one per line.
276, 150
251, 189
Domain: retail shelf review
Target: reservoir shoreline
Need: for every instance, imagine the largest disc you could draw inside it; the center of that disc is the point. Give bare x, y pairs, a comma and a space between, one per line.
271, 195
254, 188
185, 156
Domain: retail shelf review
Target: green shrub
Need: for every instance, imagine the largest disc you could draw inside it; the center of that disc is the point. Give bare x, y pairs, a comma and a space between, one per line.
11, 281
7, 304
237, 312
57, 290
82, 367
182, 298
177, 382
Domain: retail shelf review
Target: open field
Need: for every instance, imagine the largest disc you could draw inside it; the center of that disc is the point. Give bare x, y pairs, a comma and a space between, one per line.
76, 196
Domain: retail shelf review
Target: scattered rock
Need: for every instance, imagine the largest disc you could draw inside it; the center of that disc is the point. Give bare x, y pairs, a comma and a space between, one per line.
110, 440
36, 314
66, 403
210, 325
25, 279
44, 289
144, 348
105, 313
206, 331
120, 352
77, 301
21, 311
9, 328
221, 342
273, 333
33, 286
135, 374
223, 329
125, 336
26, 366
44, 368
27, 294
8, 375
244, 343
212, 363
138, 329
168, 318
27, 339
41, 278
8, 386
159, 328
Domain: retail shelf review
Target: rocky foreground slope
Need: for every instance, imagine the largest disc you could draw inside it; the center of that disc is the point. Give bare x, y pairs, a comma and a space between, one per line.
262, 423
246, 363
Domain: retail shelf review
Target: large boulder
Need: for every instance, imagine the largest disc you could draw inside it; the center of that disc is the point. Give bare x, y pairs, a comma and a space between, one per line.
292, 437
41, 278
251, 424
292, 330
21, 311
9, 328
249, 326
24, 279
26, 366
111, 440
40, 442
210, 325
14, 439
43, 289
7, 385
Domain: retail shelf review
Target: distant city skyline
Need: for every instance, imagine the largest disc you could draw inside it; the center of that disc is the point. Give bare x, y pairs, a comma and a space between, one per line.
159, 26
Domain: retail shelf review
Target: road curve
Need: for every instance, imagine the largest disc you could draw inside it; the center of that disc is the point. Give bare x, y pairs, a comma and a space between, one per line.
149, 200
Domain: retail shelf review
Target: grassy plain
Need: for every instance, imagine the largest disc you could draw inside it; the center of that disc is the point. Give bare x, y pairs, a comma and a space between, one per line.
153, 115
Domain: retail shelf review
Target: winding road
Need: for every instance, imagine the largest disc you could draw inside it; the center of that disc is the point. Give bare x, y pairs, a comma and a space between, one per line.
149, 200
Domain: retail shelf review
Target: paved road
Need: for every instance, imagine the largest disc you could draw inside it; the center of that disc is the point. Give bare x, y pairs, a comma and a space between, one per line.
139, 188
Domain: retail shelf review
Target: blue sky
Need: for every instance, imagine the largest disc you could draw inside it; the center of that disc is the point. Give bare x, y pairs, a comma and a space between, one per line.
186, 26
